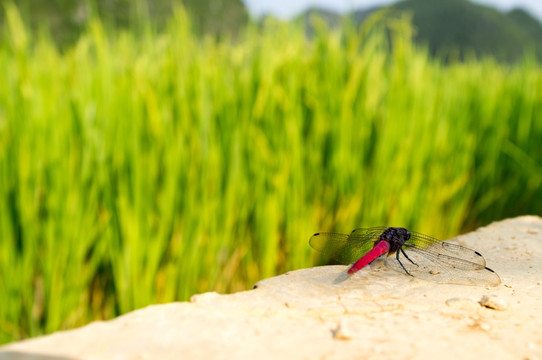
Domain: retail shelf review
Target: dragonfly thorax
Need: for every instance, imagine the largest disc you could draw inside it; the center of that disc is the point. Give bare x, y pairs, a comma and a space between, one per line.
396, 237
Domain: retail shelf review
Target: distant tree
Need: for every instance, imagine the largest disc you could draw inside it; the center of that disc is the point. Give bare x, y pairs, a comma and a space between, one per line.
530, 25
67, 18
459, 25
453, 28
217, 16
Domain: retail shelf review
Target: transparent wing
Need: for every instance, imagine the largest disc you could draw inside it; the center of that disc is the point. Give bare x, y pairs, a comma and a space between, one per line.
444, 248
346, 248
436, 264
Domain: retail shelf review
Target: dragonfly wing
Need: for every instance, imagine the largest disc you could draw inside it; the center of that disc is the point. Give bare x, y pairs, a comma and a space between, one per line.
345, 248
372, 231
445, 248
442, 268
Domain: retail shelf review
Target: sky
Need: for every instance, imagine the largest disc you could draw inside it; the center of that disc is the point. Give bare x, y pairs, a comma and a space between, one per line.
289, 8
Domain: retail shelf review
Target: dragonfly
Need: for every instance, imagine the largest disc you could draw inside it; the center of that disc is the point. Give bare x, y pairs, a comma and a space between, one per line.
415, 254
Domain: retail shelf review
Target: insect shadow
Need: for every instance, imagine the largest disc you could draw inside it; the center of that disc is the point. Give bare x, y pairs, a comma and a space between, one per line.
343, 276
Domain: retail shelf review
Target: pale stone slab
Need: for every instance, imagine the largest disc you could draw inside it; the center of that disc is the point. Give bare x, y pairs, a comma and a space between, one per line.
320, 313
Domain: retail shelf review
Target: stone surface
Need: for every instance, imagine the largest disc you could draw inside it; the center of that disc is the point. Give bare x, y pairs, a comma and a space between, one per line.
320, 313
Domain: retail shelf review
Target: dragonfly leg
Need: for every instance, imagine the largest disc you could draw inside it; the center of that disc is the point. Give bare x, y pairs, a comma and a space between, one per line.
408, 257
400, 263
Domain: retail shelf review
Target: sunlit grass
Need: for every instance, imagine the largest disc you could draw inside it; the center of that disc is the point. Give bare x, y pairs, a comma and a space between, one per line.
137, 170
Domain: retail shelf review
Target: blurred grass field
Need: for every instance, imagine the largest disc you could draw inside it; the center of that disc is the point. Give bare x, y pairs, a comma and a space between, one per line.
143, 169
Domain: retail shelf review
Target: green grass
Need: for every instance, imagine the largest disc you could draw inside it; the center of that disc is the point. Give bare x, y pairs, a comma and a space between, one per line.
138, 170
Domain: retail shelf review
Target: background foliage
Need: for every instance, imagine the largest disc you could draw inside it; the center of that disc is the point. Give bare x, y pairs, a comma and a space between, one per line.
143, 167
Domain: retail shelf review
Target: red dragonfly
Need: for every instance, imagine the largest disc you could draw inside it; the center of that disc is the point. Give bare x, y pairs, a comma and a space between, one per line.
416, 254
